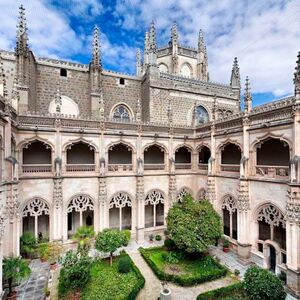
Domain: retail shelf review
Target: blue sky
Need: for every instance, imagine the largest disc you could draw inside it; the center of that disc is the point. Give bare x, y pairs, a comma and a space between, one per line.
264, 35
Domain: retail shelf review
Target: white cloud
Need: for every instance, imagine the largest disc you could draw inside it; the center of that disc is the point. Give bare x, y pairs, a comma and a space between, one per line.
264, 35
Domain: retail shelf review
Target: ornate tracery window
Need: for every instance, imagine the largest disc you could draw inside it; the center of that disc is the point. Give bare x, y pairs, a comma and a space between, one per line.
36, 217
120, 211
271, 225
182, 193
80, 212
121, 112
154, 209
202, 194
201, 115
229, 207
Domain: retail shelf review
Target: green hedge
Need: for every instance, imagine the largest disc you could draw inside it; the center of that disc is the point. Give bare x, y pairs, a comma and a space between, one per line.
140, 283
183, 280
232, 291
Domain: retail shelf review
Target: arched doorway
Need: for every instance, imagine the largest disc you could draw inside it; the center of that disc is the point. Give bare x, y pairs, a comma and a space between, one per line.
35, 218
80, 212
120, 211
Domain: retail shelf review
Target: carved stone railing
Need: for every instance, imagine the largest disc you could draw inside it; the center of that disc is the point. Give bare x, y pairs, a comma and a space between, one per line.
273, 171
183, 166
80, 167
36, 168
120, 167
230, 168
154, 166
203, 167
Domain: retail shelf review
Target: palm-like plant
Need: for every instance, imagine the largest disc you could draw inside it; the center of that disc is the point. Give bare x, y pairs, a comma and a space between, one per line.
83, 236
14, 269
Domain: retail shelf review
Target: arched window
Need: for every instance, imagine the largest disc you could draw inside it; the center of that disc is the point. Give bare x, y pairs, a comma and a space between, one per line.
182, 193
35, 217
186, 70
80, 212
202, 194
154, 158
230, 158
121, 113
163, 68
120, 158
201, 115
183, 158
229, 207
120, 211
154, 209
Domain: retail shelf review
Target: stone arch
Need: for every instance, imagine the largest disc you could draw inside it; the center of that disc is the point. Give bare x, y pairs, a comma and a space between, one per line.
259, 140
68, 107
229, 141
83, 140
35, 217
182, 192
127, 108
270, 213
189, 147
163, 68
154, 208
80, 211
120, 211
202, 194
154, 156
27, 142
229, 214
186, 69
127, 144
155, 144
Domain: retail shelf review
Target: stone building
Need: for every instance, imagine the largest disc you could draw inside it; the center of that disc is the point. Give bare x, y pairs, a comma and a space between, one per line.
83, 145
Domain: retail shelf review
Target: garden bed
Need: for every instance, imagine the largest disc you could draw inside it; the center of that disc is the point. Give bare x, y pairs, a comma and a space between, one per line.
107, 283
231, 292
186, 271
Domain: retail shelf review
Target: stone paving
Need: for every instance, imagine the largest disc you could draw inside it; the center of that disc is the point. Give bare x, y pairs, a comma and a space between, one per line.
33, 287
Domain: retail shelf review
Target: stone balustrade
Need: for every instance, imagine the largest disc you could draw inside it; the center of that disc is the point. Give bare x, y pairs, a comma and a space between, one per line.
120, 167
36, 168
154, 166
80, 167
183, 166
230, 168
273, 171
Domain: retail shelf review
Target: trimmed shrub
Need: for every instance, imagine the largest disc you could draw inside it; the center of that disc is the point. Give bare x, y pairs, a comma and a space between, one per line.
234, 291
260, 284
126, 236
125, 264
169, 244
158, 237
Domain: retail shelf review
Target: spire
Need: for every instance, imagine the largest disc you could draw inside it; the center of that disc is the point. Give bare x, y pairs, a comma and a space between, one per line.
138, 62
22, 39
147, 42
96, 56
235, 80
174, 34
297, 78
138, 111
248, 96
202, 64
58, 102
201, 43
152, 37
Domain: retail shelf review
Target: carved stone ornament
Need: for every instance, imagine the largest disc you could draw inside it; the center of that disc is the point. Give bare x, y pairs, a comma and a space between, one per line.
293, 206
57, 193
35, 208
243, 202
229, 203
120, 200
182, 193
154, 198
81, 203
271, 215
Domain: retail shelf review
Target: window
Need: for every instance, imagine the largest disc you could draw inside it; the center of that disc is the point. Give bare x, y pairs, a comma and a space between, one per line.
201, 115
121, 113
229, 208
63, 72
122, 81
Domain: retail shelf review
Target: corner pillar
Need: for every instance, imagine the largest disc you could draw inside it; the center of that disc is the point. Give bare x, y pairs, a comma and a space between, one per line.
140, 212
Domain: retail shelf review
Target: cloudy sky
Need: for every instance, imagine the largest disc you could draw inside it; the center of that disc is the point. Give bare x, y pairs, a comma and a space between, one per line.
264, 35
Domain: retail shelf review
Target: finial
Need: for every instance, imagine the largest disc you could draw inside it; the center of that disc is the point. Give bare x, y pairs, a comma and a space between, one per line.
21, 46
152, 37
138, 111
96, 56
201, 43
235, 80
297, 78
174, 33
248, 96
58, 102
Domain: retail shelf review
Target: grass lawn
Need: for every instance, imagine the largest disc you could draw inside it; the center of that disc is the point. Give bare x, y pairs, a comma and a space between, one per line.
231, 292
107, 283
187, 271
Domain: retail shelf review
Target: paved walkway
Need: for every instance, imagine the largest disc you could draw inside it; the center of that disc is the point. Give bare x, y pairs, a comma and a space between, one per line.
33, 287
153, 285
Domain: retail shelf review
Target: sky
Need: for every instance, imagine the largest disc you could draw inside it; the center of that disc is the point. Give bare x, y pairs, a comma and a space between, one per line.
264, 35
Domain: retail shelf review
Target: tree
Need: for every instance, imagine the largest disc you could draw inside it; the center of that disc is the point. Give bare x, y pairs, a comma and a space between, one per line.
109, 240
14, 269
83, 236
193, 226
260, 284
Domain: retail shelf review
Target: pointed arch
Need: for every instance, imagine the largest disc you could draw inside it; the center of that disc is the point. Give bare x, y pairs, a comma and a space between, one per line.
28, 141
202, 194
182, 192
121, 111
261, 139
163, 67
186, 69
154, 208
83, 140
229, 214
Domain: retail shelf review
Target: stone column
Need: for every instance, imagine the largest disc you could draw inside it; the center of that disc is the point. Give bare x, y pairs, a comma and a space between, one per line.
243, 205
103, 204
57, 219
211, 182
140, 211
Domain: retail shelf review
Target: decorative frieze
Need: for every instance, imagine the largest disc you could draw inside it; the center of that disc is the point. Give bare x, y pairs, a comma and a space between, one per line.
57, 193
172, 189
140, 188
102, 197
211, 189
293, 205
243, 202
12, 202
